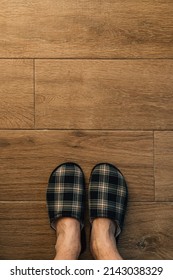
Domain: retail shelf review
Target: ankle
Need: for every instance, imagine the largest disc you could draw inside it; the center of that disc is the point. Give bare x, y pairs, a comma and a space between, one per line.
103, 243
67, 224
68, 244
103, 228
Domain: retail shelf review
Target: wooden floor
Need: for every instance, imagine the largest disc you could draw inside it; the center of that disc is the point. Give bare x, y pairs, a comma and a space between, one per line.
86, 81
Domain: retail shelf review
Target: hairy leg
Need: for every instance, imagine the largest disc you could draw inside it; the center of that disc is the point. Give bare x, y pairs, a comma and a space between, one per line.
68, 244
103, 243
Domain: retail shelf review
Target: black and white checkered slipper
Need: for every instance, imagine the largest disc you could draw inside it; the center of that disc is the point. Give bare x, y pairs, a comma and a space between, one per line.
108, 194
66, 193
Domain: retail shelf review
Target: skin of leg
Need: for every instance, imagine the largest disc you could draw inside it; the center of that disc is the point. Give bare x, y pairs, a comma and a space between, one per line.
68, 242
103, 243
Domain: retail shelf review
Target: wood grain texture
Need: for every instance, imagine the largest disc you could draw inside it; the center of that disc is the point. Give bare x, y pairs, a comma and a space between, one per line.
25, 228
104, 94
164, 165
148, 231
16, 94
28, 158
25, 231
65, 28
108, 97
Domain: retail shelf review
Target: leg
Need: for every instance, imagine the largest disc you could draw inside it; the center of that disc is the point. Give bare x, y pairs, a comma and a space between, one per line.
103, 242
107, 203
68, 245
65, 201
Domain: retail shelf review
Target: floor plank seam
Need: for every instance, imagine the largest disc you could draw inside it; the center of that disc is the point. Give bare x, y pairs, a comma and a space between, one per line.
43, 201
87, 58
154, 181
34, 88
85, 129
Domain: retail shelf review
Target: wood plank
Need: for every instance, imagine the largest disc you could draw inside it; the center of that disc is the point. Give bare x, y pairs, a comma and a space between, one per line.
148, 231
25, 231
28, 231
16, 93
163, 165
28, 157
65, 28
104, 94
23, 190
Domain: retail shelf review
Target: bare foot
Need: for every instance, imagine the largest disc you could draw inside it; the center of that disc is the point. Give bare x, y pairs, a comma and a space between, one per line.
68, 244
103, 243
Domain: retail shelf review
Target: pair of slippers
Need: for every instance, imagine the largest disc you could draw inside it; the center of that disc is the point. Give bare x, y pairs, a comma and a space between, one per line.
107, 194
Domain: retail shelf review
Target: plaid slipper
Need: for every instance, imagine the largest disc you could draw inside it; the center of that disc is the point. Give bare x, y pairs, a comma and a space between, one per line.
107, 194
65, 193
